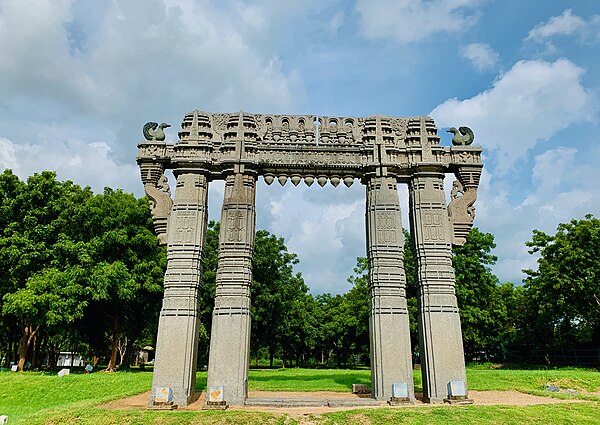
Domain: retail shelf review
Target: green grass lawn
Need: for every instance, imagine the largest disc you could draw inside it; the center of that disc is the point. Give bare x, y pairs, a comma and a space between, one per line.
44, 398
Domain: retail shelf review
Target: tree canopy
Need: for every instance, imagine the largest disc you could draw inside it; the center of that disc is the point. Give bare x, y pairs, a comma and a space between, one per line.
79, 267
564, 291
84, 272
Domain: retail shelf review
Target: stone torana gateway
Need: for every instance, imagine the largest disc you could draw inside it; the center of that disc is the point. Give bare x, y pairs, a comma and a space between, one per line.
379, 152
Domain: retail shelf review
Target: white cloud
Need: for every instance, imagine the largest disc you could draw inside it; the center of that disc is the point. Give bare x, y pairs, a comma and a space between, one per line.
565, 24
564, 186
87, 164
552, 167
481, 55
142, 61
324, 226
406, 21
529, 103
336, 21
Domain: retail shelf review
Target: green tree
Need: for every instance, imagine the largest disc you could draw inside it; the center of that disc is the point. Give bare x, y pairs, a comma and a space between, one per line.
482, 306
281, 309
207, 291
72, 261
564, 291
276, 297
41, 258
410, 270
358, 302
127, 266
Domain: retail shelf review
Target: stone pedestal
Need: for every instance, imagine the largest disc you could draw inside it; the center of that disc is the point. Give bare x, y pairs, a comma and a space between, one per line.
230, 333
177, 340
440, 338
388, 321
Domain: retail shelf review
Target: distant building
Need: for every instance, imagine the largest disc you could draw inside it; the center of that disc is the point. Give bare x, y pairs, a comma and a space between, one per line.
146, 355
68, 358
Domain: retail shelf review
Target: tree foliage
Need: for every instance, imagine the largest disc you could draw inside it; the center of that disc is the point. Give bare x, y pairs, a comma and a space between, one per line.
84, 272
564, 291
73, 261
483, 311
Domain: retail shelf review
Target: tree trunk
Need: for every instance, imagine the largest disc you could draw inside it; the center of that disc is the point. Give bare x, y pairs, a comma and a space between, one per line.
122, 347
53, 352
271, 355
114, 347
126, 359
35, 352
39, 352
26, 340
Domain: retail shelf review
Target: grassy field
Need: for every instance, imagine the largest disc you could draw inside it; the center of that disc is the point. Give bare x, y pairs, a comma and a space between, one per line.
44, 398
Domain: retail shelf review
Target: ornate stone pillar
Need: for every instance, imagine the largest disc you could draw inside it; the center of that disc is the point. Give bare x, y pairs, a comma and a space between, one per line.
230, 333
440, 337
177, 340
388, 321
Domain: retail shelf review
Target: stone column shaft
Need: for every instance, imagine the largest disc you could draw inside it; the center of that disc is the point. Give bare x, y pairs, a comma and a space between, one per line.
440, 337
388, 321
230, 333
177, 340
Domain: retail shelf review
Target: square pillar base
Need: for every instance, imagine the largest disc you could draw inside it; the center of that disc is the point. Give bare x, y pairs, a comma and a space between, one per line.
458, 400
215, 405
398, 401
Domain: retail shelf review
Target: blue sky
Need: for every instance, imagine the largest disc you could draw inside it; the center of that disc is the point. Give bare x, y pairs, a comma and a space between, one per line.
79, 78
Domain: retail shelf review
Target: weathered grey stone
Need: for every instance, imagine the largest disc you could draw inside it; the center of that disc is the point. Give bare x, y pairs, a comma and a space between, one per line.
388, 322
380, 151
177, 340
230, 333
440, 338
360, 389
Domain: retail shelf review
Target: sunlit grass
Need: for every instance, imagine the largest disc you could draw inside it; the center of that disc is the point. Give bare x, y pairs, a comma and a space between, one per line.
44, 398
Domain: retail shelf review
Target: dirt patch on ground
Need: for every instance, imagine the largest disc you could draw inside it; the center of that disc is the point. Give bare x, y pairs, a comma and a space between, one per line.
481, 398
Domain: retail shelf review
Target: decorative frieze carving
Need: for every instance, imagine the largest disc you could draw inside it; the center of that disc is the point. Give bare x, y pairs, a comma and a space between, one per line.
307, 145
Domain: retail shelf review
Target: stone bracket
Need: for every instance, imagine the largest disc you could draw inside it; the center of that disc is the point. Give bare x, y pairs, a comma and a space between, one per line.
460, 209
156, 187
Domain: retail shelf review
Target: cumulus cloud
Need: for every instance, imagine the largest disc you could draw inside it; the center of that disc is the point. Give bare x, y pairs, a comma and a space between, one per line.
564, 186
323, 226
406, 21
120, 63
565, 24
481, 55
526, 105
87, 164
